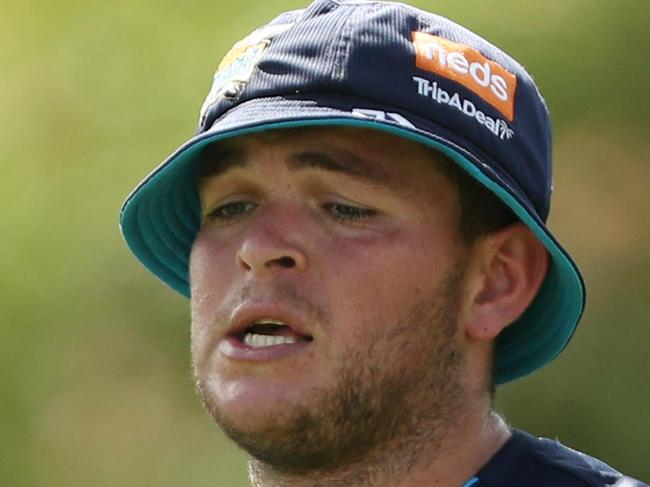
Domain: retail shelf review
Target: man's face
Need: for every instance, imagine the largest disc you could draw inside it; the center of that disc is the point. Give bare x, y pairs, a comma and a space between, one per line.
325, 282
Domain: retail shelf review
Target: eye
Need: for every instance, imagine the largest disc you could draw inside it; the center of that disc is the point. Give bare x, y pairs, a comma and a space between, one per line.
231, 211
343, 212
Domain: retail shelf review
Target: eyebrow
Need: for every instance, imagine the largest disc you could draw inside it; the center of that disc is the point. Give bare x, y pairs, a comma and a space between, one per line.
218, 159
342, 162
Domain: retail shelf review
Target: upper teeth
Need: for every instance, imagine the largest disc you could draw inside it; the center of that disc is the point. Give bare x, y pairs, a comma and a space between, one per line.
269, 321
256, 340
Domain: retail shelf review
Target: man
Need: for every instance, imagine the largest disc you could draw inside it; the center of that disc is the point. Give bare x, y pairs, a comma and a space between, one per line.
359, 224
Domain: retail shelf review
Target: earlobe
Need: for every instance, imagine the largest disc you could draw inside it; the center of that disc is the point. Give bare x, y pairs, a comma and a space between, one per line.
506, 270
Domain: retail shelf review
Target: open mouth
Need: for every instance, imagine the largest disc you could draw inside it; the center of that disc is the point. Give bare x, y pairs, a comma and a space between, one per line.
270, 333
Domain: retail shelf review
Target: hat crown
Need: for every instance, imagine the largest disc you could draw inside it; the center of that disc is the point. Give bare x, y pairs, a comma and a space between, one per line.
399, 59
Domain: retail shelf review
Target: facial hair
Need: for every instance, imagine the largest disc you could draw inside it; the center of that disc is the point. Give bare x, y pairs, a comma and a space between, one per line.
401, 394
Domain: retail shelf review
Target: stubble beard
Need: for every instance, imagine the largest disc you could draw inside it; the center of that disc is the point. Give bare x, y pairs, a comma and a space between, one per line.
396, 399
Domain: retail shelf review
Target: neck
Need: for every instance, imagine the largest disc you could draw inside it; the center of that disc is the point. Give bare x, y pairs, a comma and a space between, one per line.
455, 457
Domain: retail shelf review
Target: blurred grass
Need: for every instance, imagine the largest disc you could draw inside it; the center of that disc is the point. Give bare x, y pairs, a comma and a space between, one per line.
95, 375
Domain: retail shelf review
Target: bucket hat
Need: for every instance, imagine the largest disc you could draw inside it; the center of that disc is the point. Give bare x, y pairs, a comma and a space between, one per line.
389, 67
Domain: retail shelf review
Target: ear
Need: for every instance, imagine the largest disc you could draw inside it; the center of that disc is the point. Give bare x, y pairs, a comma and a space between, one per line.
505, 271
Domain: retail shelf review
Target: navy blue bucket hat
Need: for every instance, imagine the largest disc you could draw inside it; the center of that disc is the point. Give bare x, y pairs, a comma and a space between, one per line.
393, 68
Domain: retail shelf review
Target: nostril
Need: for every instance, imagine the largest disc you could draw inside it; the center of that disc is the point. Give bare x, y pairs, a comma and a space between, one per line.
285, 262
260, 258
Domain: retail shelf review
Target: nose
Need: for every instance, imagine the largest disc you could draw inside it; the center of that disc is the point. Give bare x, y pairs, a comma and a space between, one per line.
268, 248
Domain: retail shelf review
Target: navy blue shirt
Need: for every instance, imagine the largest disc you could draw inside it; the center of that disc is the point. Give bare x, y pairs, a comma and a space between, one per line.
538, 462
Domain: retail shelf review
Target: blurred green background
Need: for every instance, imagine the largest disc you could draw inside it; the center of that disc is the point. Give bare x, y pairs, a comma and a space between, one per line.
95, 373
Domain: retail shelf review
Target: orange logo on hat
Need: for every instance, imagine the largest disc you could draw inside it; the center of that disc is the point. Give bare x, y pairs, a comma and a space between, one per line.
488, 79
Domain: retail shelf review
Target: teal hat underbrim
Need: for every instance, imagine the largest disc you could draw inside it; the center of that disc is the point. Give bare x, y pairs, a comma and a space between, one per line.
161, 217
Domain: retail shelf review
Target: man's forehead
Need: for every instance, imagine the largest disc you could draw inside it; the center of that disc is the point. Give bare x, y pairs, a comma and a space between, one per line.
365, 153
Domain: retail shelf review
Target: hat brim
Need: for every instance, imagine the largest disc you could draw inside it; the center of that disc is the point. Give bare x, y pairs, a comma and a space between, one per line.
161, 217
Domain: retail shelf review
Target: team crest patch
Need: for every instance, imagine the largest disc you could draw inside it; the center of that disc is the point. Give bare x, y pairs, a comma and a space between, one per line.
238, 65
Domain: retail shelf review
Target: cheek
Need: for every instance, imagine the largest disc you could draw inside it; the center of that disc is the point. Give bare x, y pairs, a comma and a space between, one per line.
211, 273
374, 282
212, 266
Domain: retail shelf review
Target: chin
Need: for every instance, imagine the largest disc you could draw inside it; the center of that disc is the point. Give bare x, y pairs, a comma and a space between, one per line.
287, 439
278, 432
252, 405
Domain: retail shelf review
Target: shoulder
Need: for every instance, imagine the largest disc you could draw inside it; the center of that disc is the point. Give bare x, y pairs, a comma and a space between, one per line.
536, 462
556, 458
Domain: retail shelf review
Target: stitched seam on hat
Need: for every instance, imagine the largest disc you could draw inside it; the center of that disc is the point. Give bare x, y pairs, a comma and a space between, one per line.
352, 2
341, 49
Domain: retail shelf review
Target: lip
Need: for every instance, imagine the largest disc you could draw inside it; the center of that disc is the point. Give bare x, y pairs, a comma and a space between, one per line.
247, 313
232, 346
